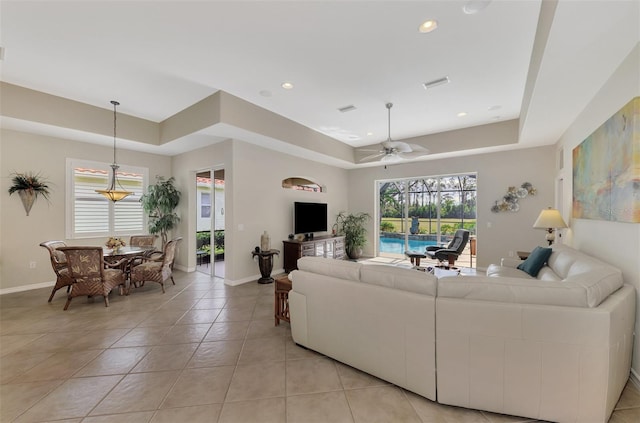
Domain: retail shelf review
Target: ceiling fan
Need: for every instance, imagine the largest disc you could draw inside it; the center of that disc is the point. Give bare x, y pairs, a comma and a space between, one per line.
393, 151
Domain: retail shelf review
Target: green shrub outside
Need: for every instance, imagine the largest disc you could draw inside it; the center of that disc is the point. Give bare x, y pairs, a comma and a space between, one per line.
386, 226
204, 241
447, 227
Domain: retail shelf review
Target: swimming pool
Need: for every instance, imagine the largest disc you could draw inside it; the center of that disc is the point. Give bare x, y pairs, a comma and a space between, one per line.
396, 245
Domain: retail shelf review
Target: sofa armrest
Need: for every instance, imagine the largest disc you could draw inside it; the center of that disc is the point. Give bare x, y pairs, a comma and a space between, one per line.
522, 359
510, 262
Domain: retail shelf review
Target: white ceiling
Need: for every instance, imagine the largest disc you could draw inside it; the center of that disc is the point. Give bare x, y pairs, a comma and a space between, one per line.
158, 58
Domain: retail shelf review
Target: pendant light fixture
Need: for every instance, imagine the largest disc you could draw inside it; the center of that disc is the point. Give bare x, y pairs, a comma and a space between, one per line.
112, 193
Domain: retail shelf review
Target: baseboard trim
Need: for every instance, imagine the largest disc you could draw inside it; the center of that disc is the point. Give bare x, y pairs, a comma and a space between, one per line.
634, 377
248, 279
27, 287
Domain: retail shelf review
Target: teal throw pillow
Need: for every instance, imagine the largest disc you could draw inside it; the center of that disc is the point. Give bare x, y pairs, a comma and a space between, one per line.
535, 261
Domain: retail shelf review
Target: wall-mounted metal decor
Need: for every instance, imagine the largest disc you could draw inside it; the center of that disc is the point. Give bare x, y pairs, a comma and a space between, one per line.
509, 202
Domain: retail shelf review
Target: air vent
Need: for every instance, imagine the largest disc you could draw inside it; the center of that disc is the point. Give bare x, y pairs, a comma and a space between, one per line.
347, 108
436, 82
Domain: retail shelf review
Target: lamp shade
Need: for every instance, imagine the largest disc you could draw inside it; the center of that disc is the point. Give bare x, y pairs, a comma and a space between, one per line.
549, 218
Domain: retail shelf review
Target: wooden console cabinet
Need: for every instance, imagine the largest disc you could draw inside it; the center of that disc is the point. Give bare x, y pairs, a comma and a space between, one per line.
320, 246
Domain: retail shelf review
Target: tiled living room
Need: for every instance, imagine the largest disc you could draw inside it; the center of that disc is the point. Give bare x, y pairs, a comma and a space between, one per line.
202, 352
359, 105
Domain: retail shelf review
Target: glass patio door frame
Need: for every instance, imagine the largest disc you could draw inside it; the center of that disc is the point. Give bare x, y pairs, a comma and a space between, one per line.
405, 219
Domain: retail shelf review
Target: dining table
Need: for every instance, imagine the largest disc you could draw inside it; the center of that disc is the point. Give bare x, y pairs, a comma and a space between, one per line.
114, 255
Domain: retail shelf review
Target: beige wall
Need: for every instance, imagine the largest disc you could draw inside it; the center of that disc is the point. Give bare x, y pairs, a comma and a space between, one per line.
21, 234
498, 233
613, 242
255, 200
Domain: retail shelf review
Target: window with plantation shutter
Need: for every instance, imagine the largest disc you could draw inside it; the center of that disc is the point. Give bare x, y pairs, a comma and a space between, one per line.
90, 214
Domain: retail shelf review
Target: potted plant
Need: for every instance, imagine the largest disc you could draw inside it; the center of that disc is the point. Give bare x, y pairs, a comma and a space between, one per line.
160, 203
29, 186
352, 226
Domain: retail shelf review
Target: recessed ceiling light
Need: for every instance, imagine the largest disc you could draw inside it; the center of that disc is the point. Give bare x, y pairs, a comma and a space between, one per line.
369, 134
462, 114
287, 85
428, 26
436, 82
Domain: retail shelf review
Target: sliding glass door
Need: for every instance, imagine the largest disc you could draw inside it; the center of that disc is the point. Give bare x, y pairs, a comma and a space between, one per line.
417, 212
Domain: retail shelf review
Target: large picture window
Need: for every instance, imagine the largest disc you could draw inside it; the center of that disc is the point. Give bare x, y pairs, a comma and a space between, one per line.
89, 214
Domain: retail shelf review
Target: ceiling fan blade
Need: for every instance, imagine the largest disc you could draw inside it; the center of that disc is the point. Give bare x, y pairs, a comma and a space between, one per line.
414, 154
417, 147
372, 158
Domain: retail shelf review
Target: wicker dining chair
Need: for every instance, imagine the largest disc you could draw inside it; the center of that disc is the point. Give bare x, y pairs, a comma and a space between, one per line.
143, 240
59, 265
156, 269
91, 275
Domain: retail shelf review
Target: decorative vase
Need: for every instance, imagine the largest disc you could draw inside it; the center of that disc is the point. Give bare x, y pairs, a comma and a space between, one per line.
28, 198
265, 241
354, 253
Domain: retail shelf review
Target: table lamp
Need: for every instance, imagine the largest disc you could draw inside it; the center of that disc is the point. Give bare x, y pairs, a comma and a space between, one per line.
549, 219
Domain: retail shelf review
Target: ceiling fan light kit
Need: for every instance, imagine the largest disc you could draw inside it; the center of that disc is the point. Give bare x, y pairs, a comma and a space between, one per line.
393, 151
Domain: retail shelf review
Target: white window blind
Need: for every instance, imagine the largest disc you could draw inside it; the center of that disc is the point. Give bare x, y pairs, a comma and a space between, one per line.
205, 205
90, 214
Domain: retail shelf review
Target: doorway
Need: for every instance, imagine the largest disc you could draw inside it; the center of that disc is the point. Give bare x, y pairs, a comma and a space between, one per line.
210, 226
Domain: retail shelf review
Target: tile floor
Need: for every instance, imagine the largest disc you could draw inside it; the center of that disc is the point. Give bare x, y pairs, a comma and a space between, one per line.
202, 352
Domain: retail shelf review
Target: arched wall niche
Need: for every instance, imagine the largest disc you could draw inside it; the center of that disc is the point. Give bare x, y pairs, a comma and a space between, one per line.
303, 184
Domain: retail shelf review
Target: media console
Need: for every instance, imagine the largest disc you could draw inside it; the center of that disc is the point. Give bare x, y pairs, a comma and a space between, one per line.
320, 246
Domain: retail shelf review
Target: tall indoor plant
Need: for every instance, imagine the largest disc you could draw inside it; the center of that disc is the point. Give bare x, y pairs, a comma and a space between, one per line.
160, 203
352, 226
29, 186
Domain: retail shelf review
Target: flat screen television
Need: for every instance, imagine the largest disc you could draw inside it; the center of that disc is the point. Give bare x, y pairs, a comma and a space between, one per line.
309, 217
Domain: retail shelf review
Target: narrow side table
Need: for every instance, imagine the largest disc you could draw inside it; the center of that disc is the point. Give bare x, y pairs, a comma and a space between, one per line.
281, 300
265, 263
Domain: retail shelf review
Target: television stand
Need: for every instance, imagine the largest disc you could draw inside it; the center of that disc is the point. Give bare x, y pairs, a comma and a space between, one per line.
328, 246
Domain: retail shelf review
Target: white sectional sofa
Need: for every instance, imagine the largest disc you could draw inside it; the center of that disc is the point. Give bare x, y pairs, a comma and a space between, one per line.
556, 347
379, 319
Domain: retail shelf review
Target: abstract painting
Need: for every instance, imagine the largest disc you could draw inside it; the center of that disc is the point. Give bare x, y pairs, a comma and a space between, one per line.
606, 169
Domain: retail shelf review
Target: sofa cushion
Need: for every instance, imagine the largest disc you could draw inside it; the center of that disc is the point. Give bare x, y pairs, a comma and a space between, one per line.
399, 278
341, 269
535, 261
547, 274
566, 262
583, 290
598, 283
495, 270
514, 290
571, 278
